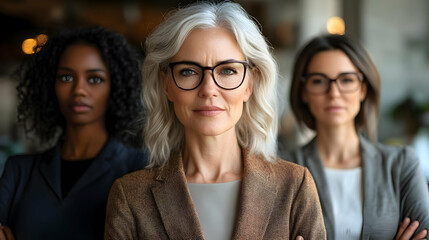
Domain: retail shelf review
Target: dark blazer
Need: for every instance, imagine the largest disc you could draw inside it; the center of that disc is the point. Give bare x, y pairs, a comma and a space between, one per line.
277, 201
393, 187
31, 202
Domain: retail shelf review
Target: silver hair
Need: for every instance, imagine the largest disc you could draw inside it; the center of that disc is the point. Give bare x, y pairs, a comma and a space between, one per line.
257, 128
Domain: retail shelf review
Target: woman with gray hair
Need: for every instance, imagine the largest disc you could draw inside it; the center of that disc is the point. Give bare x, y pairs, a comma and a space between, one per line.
210, 93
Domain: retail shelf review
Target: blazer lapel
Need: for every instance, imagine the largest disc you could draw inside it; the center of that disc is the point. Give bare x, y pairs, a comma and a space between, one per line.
98, 167
50, 169
370, 158
174, 202
257, 199
315, 165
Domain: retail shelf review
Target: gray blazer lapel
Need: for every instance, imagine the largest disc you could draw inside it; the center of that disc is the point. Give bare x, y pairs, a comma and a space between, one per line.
315, 165
174, 202
257, 199
370, 158
50, 169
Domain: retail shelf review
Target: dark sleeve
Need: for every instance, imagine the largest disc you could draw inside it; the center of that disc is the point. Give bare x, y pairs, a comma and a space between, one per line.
138, 159
285, 155
119, 219
306, 213
295, 156
413, 190
8, 186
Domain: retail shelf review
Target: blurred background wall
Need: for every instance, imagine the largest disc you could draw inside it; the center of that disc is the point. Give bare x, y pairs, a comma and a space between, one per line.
396, 33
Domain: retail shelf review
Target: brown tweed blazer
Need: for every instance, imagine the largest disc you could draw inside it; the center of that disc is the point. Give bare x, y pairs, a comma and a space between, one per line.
277, 201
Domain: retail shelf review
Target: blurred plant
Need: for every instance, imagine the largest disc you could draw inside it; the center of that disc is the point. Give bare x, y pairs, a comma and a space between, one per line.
409, 112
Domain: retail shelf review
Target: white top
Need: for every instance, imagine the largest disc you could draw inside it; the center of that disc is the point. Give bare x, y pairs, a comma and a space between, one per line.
216, 206
421, 146
345, 189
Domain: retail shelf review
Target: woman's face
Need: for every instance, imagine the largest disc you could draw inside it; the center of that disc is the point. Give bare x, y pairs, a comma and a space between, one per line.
334, 108
208, 109
82, 85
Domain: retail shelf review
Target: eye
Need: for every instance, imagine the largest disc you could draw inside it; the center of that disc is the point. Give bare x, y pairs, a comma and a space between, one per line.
95, 80
187, 72
65, 78
316, 81
348, 79
228, 71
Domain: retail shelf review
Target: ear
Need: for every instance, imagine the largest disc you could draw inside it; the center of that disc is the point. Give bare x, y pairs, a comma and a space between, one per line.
363, 91
249, 89
164, 79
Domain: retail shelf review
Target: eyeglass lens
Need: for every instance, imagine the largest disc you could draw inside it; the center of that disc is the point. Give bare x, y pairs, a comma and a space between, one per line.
228, 75
319, 83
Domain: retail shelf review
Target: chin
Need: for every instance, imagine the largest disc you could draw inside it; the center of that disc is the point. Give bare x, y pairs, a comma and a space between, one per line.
337, 122
80, 121
212, 131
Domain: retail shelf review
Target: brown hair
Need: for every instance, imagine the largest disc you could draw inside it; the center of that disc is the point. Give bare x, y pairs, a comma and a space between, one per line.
368, 114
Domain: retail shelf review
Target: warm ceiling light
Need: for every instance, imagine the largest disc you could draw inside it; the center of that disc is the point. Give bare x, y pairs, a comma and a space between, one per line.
336, 25
41, 39
29, 45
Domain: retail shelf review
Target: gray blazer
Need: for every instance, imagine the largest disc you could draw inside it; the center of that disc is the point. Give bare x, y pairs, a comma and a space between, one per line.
393, 187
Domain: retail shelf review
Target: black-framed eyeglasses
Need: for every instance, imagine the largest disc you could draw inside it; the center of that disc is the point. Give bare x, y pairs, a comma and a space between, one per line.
227, 75
319, 83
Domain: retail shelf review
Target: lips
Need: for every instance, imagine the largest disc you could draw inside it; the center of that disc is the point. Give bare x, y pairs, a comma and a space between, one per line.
334, 108
80, 107
209, 111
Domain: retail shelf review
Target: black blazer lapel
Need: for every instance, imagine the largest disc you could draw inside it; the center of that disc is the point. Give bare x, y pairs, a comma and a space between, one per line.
257, 198
174, 202
99, 167
50, 169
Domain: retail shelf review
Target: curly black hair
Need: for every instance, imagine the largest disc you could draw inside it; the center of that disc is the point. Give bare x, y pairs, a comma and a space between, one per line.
38, 108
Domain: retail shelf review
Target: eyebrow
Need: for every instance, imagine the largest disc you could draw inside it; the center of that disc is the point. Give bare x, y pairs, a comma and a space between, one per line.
89, 70
216, 63
323, 74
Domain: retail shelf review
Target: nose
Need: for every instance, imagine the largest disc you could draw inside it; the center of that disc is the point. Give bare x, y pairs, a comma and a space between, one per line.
79, 87
333, 89
208, 87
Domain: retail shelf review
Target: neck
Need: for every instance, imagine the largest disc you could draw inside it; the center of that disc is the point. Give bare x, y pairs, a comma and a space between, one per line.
212, 159
339, 146
83, 142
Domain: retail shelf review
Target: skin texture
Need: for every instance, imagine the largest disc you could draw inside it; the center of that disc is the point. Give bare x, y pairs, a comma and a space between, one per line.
6, 233
407, 229
82, 85
188, 105
334, 109
38, 109
209, 114
335, 113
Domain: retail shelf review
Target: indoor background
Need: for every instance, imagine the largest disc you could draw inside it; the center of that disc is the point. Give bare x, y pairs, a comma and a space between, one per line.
395, 32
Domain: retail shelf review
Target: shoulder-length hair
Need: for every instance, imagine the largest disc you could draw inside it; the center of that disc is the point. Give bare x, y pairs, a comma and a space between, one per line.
366, 119
257, 128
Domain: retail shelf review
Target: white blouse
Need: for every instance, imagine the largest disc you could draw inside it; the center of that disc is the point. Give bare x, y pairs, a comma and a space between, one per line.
345, 189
